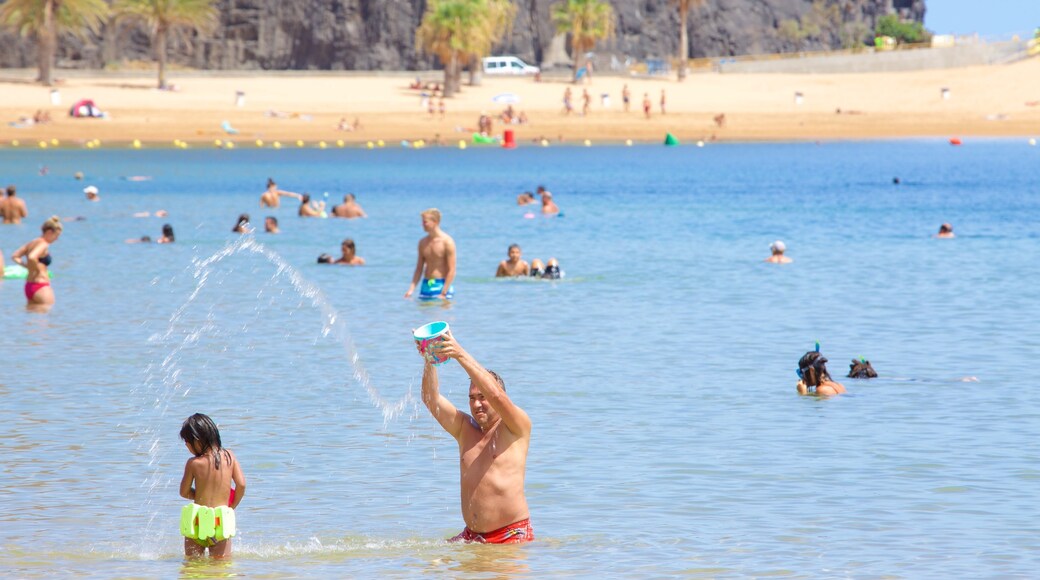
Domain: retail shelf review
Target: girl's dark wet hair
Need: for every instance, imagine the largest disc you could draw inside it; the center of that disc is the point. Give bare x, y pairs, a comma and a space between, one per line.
167, 231
816, 362
270, 182
243, 221
202, 431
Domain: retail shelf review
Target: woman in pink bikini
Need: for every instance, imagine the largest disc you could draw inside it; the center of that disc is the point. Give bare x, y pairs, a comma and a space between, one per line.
35, 256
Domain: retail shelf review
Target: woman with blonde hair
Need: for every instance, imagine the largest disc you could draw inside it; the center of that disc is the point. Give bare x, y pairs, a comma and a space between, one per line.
36, 257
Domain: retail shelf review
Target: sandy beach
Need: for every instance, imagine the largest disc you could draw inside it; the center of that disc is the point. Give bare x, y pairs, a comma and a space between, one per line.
983, 101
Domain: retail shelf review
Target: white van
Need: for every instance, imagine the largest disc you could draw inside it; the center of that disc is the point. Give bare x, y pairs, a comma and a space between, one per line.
507, 65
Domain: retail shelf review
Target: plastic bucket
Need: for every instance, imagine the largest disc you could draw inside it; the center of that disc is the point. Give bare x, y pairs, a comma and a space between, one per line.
428, 335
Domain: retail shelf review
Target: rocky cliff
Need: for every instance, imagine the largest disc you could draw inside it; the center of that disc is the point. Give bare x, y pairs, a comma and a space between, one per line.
380, 34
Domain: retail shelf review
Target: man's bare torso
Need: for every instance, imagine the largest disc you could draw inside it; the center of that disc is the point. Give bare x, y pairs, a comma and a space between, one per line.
492, 468
434, 250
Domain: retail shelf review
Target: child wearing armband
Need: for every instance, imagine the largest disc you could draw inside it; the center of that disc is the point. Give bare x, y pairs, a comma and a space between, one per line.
209, 521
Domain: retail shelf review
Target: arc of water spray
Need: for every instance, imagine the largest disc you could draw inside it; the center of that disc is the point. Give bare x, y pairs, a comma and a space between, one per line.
164, 382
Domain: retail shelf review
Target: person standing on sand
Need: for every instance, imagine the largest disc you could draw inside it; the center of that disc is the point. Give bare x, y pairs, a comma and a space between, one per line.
568, 107
626, 97
646, 105
586, 99
12, 209
662, 102
270, 198
493, 443
435, 265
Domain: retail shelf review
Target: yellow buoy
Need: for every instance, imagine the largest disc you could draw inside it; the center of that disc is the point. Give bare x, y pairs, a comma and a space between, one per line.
380, 143
340, 143
259, 143
628, 142
700, 143
370, 144
54, 142
90, 144
43, 144
588, 143
322, 145
15, 143
1032, 142
137, 144
545, 142
299, 143
462, 144
277, 145
217, 142
230, 145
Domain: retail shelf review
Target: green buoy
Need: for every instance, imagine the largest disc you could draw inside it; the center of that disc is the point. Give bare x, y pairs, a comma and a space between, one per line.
670, 140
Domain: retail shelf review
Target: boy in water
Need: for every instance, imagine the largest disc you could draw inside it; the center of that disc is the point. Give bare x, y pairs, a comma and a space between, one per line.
435, 266
207, 479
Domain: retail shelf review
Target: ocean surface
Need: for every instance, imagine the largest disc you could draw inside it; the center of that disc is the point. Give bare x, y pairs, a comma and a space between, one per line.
659, 373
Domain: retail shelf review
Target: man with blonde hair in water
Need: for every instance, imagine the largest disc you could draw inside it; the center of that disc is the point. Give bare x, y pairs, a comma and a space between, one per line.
435, 266
493, 444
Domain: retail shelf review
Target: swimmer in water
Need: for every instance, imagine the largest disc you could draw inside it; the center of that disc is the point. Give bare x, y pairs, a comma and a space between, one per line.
271, 225
12, 209
514, 266
778, 248
166, 238
493, 441
814, 378
349, 257
525, 198
207, 479
271, 197
242, 225
945, 231
92, 193
546, 271
310, 208
435, 265
349, 209
549, 207
35, 256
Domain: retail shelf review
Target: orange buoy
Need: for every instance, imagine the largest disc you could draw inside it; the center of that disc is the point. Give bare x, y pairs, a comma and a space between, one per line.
955, 141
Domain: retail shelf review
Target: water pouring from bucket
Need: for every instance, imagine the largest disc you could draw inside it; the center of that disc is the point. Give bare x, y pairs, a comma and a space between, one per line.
428, 335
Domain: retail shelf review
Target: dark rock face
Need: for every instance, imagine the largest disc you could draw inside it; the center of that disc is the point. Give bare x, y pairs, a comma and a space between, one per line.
380, 34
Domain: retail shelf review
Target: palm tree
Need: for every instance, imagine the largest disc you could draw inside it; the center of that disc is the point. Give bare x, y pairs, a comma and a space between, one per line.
684, 41
587, 21
463, 31
45, 19
166, 17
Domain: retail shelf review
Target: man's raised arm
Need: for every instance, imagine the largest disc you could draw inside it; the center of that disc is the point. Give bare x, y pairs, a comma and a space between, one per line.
440, 407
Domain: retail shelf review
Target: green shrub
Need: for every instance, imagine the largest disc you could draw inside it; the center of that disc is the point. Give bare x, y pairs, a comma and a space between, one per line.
903, 32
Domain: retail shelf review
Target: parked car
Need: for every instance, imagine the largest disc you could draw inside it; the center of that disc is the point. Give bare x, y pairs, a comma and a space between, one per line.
507, 65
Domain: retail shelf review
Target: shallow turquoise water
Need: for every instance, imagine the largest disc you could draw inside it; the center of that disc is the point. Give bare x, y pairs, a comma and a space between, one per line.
659, 374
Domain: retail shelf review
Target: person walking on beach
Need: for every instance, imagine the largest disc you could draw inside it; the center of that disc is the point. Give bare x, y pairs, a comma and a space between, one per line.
270, 198
435, 265
493, 442
814, 378
514, 266
626, 97
12, 209
35, 256
568, 107
349, 209
778, 248
646, 105
207, 480
586, 100
662, 102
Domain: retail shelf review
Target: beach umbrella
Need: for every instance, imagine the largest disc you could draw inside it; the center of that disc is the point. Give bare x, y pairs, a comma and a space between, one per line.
506, 99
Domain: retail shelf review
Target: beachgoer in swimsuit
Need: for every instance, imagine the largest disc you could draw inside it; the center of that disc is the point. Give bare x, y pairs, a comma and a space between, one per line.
310, 208
435, 265
12, 209
242, 225
514, 266
271, 225
207, 480
349, 257
778, 248
945, 231
626, 97
493, 442
35, 256
270, 198
350, 208
814, 378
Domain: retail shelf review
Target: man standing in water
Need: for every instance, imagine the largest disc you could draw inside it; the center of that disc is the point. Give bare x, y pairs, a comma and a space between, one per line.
270, 198
12, 209
493, 444
436, 263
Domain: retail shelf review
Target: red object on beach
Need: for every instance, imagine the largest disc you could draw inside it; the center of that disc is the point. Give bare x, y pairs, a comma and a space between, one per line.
955, 141
510, 140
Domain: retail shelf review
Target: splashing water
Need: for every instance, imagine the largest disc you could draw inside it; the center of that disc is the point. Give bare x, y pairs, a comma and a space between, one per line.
164, 381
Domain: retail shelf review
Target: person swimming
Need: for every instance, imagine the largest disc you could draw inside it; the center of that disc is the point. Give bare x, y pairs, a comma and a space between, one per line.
945, 231
778, 248
546, 270
242, 225
814, 378
861, 369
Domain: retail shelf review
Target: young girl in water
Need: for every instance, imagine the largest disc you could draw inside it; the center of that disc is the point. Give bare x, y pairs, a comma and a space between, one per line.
207, 479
